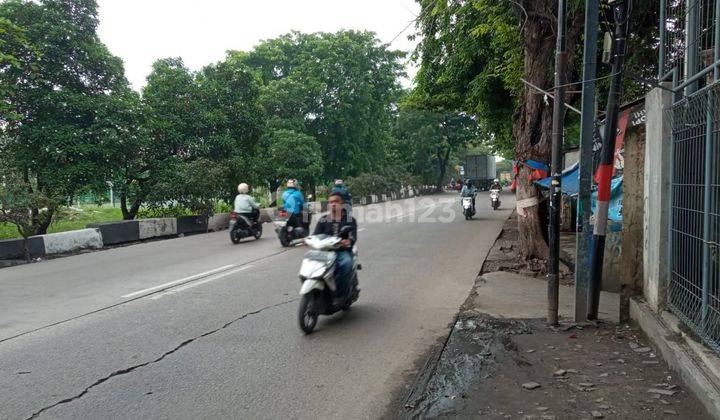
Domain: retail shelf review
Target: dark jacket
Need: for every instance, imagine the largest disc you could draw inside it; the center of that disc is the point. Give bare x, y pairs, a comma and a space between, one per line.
327, 226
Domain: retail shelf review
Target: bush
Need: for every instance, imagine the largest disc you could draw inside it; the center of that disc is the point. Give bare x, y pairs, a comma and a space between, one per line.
169, 210
261, 196
384, 182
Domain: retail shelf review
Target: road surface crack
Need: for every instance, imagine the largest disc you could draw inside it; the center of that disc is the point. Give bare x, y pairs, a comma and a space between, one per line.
163, 356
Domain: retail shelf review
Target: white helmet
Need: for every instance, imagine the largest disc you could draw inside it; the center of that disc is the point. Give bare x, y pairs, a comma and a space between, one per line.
291, 183
496, 180
243, 188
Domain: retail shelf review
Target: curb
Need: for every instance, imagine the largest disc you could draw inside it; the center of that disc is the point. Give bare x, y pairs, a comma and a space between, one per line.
74, 240
698, 367
13, 248
118, 232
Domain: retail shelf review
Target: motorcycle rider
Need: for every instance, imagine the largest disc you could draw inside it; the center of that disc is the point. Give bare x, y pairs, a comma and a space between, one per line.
294, 203
496, 185
245, 205
332, 224
468, 190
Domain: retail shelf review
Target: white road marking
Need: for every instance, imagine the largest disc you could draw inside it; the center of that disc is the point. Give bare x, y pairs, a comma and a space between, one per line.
199, 283
185, 279
361, 229
403, 215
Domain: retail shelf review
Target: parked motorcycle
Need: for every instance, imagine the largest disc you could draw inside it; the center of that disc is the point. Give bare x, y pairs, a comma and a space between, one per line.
495, 199
241, 227
286, 234
468, 208
318, 281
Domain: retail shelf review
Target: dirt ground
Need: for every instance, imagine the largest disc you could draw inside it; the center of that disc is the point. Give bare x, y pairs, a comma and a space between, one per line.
505, 256
504, 368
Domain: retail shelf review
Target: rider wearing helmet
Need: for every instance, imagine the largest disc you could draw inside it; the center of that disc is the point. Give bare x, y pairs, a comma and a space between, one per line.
496, 185
245, 205
294, 203
468, 190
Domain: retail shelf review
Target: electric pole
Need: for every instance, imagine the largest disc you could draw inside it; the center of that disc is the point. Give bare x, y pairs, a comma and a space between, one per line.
607, 159
556, 167
587, 130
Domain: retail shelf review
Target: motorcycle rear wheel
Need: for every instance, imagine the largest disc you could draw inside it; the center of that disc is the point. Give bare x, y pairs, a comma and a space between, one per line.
307, 313
258, 233
284, 241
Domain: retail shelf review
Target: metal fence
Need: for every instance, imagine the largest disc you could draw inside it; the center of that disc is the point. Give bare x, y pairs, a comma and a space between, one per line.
690, 59
694, 289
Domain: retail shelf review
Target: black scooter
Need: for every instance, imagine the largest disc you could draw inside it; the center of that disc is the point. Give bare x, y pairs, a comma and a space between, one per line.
242, 227
287, 234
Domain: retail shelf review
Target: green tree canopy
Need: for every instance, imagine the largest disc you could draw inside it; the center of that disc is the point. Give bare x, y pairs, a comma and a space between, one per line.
54, 89
427, 141
289, 154
336, 87
211, 119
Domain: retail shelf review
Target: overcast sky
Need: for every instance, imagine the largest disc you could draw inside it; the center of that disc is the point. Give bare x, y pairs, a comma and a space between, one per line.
200, 31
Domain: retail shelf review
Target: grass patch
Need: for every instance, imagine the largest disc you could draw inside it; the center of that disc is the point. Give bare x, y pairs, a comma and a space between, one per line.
71, 219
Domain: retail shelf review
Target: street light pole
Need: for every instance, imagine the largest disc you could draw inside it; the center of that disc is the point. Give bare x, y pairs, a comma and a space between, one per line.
556, 167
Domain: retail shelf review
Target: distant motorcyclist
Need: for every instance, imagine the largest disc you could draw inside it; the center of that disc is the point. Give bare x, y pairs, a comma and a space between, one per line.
245, 205
469, 190
294, 204
496, 185
332, 224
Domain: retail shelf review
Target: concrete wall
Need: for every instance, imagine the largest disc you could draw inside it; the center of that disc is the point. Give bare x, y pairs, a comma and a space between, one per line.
118, 232
267, 215
612, 262
218, 221
11, 249
192, 224
570, 158
656, 181
56, 243
158, 227
631, 268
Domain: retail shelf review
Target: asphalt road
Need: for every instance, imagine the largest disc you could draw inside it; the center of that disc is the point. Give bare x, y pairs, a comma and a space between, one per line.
197, 328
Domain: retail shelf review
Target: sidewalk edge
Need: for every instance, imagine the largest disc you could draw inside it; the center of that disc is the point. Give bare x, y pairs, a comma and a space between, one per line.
681, 355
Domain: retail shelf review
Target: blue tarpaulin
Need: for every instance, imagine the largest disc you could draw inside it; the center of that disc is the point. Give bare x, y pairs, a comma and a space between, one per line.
570, 186
616, 200
537, 165
570, 179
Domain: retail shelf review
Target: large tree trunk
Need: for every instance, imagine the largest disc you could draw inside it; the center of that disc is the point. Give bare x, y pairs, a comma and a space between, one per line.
532, 124
131, 212
442, 168
26, 249
42, 222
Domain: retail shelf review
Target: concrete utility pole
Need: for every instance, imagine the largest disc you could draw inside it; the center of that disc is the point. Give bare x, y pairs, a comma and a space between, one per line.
556, 167
607, 159
587, 130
